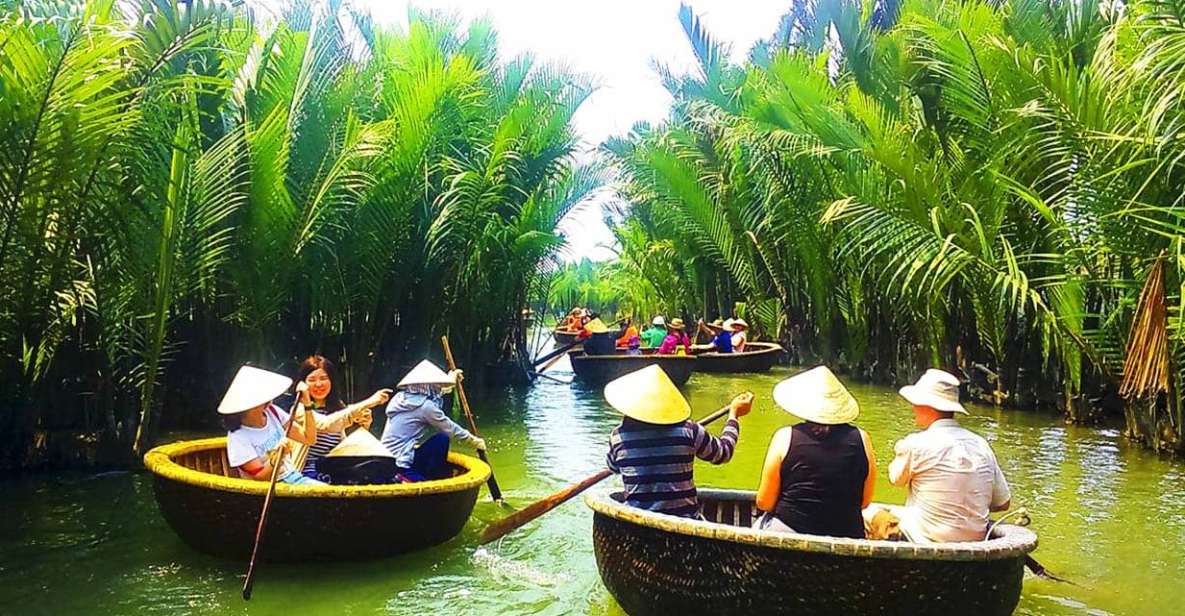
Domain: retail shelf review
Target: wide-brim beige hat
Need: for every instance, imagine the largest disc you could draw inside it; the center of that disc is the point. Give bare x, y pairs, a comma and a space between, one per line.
816, 395
675, 324
250, 388
426, 373
735, 322
648, 395
936, 389
360, 444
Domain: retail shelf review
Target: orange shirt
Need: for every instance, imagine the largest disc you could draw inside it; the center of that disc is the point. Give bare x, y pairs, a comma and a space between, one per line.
624, 340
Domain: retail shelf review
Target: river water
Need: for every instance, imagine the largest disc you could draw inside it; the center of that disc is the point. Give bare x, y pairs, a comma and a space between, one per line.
1110, 516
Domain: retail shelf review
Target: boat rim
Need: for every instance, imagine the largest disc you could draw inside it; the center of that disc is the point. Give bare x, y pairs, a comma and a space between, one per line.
159, 461
1015, 542
768, 347
623, 356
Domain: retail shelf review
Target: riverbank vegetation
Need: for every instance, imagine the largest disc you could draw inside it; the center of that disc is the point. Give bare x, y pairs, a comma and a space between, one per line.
991, 187
188, 186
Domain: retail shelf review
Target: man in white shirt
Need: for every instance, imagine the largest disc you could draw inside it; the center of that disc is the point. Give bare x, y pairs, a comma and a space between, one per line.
953, 478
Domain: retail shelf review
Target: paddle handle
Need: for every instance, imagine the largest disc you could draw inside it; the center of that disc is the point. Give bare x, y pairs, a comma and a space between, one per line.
556, 353
492, 483
249, 582
501, 528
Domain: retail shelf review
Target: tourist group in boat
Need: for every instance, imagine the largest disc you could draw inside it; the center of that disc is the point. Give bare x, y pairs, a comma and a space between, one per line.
665, 337
415, 439
819, 475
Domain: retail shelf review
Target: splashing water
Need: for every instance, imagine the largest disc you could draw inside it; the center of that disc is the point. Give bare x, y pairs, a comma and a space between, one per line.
511, 570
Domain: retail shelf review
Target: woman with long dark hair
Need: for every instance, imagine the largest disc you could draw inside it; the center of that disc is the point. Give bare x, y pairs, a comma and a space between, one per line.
332, 414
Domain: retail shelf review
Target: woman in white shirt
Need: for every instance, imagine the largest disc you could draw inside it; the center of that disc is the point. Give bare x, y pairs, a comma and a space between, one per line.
255, 427
739, 334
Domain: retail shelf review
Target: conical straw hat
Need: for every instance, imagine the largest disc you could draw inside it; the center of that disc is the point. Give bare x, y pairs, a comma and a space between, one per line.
360, 444
648, 395
816, 395
250, 388
426, 373
596, 326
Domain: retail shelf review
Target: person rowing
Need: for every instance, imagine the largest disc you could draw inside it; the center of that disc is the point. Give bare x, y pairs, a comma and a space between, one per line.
655, 446
720, 338
416, 410
255, 437
821, 473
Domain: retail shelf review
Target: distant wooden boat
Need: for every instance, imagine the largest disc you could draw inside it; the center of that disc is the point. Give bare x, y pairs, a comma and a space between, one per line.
600, 369
655, 564
217, 514
757, 357
563, 337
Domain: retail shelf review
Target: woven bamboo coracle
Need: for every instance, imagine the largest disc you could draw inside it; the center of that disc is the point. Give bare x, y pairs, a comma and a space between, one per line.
600, 369
663, 565
757, 357
217, 514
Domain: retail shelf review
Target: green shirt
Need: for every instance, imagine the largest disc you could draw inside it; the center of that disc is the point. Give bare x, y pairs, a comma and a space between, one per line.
652, 337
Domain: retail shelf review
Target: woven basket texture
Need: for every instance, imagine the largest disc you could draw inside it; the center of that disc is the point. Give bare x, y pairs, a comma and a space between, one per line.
656, 564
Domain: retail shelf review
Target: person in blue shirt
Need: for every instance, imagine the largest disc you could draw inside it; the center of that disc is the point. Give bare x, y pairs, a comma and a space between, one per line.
721, 338
416, 412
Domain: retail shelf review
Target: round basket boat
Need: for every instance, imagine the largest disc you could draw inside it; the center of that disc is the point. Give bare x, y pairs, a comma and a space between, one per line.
563, 337
217, 514
757, 357
662, 565
600, 369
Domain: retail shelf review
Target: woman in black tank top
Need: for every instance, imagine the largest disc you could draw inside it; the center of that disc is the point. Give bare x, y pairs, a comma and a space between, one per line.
819, 474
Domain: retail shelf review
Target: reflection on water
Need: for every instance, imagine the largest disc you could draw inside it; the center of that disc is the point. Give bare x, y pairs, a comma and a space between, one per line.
1110, 516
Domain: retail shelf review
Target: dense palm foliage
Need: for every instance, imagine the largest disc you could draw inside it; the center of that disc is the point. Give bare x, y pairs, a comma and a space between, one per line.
979, 185
189, 185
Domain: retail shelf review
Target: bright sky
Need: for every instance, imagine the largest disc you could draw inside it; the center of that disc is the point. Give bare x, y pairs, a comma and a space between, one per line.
616, 42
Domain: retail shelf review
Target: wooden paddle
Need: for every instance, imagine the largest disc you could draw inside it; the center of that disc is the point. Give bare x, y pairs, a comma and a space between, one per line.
504, 526
492, 483
278, 462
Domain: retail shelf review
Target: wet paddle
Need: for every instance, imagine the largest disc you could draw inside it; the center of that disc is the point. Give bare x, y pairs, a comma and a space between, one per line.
249, 583
492, 483
504, 526
1041, 572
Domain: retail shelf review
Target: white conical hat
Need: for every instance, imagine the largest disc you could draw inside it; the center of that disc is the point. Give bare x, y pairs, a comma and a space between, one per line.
360, 444
816, 395
426, 373
251, 387
648, 395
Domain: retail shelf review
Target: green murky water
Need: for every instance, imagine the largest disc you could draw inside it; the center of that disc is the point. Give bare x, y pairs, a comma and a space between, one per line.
1110, 516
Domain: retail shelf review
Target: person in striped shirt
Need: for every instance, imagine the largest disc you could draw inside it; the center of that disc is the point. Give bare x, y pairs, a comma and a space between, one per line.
332, 414
655, 447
